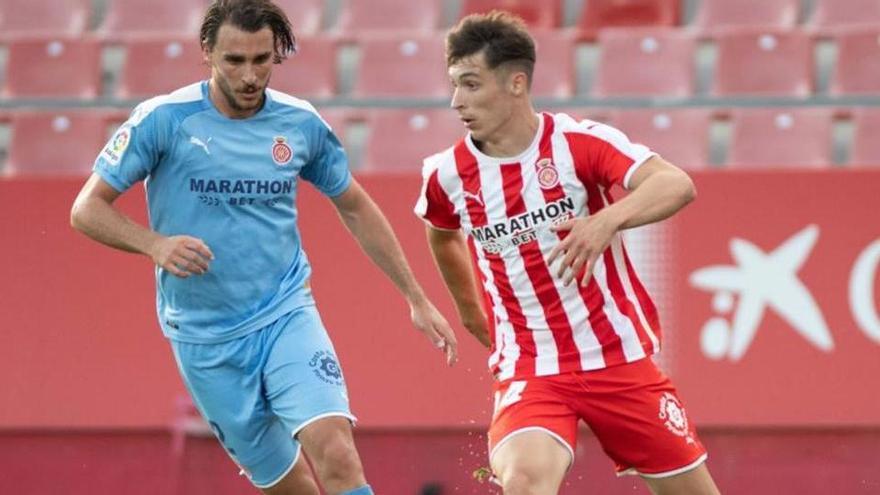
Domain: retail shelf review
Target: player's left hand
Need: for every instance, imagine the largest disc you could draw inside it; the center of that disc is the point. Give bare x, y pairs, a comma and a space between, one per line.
429, 321
587, 239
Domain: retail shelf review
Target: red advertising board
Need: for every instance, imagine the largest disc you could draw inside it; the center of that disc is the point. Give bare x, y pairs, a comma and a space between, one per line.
768, 286
776, 299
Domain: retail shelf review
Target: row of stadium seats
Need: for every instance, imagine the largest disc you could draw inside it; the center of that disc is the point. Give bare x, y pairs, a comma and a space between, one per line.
631, 62
135, 18
66, 142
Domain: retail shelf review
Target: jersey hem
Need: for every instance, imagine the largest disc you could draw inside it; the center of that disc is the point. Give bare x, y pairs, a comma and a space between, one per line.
257, 324
530, 363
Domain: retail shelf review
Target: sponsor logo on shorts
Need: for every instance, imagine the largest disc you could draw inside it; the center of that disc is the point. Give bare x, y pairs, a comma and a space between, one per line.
326, 367
674, 417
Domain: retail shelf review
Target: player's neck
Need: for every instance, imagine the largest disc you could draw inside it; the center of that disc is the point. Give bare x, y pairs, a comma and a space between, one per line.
514, 137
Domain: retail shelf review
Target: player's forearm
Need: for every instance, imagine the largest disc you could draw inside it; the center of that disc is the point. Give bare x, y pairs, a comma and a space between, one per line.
660, 196
104, 223
374, 234
451, 256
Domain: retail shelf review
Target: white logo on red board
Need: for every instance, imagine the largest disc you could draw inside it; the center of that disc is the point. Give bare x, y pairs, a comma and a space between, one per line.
282, 153
548, 176
760, 281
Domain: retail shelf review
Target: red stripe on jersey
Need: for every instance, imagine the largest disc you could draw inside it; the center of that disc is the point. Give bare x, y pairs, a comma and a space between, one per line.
597, 161
539, 274
612, 348
469, 172
645, 301
625, 304
440, 210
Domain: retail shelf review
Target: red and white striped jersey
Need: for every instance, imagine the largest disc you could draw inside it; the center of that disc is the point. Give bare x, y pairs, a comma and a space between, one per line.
506, 206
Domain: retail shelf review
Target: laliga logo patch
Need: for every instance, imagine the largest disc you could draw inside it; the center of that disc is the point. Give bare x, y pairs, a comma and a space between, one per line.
548, 176
118, 144
281, 151
674, 416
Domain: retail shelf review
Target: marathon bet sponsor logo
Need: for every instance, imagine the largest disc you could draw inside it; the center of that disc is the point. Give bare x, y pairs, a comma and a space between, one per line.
521, 229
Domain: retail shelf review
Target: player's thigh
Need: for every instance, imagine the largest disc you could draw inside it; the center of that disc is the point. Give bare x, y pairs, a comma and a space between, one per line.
697, 481
532, 416
225, 384
302, 377
640, 421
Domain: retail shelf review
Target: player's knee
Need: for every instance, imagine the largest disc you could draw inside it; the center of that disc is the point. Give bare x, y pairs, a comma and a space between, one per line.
340, 462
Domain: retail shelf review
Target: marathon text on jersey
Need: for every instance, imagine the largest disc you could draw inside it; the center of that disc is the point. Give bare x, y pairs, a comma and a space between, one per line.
241, 186
520, 229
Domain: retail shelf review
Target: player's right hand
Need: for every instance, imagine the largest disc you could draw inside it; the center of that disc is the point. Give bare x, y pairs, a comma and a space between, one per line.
182, 255
429, 321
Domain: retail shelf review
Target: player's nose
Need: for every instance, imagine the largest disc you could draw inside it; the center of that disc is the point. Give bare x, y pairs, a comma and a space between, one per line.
456, 101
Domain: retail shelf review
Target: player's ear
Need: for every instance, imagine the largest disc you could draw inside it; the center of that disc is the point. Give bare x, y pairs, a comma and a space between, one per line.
206, 53
519, 83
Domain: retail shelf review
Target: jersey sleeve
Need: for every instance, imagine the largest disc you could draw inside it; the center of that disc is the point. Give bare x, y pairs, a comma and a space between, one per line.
433, 205
132, 152
328, 167
604, 155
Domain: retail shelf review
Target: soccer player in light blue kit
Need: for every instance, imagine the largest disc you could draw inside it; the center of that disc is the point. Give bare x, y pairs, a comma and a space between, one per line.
222, 161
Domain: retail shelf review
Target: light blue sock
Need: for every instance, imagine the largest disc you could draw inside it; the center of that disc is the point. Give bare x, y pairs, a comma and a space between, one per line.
364, 490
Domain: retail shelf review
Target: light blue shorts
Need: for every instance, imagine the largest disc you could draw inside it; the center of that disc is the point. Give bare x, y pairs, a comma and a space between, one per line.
258, 391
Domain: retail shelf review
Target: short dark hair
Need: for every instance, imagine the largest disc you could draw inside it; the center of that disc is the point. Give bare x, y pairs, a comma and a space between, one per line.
250, 16
501, 34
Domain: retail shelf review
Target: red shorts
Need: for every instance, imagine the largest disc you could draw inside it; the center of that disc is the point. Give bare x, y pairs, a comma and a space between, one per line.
633, 410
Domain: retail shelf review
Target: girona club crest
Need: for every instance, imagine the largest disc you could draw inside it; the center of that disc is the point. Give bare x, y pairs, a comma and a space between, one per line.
548, 176
281, 151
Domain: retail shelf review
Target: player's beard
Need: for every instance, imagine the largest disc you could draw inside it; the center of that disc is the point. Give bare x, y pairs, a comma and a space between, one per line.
232, 100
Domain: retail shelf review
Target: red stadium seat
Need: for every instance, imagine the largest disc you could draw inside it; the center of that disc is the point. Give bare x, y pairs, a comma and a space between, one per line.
866, 144
858, 63
395, 66
306, 16
311, 71
715, 16
789, 137
645, 62
599, 14
767, 63
56, 143
554, 70
830, 16
539, 15
128, 19
597, 114
412, 16
159, 66
53, 68
680, 135
401, 138
26, 18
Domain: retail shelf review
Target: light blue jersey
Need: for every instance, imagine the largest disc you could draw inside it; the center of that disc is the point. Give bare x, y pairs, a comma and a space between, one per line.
231, 183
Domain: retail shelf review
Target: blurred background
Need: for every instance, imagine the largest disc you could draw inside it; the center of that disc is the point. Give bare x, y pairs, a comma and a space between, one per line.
767, 285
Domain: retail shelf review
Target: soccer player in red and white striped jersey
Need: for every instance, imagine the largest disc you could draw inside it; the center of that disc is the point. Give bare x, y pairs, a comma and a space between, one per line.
523, 199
